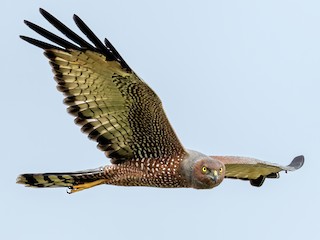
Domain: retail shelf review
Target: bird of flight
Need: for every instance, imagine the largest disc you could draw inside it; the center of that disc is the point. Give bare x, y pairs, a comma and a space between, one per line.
124, 115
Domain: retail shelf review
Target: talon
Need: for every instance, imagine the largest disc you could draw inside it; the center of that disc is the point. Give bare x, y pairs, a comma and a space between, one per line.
69, 190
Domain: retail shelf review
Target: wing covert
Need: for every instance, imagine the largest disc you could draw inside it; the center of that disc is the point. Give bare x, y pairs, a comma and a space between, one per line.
109, 101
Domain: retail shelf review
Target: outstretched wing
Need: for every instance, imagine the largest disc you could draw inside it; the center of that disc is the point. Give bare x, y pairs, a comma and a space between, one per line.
111, 103
255, 170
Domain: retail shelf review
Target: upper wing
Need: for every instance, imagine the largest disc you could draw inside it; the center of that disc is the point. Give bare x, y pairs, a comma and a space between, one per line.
111, 103
255, 170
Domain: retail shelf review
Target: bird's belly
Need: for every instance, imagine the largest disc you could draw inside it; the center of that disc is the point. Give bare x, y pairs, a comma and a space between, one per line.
123, 175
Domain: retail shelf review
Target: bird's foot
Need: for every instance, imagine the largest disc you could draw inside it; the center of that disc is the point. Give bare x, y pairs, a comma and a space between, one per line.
83, 186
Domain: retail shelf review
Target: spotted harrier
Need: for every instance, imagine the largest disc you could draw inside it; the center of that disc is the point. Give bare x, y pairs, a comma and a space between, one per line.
125, 117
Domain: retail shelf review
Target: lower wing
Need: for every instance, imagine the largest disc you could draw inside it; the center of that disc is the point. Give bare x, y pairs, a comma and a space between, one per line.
254, 170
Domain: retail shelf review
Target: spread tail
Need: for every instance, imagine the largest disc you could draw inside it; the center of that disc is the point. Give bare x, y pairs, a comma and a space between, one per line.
75, 181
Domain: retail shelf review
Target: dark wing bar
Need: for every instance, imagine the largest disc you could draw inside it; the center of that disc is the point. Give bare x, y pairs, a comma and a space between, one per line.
107, 50
52, 37
65, 30
38, 43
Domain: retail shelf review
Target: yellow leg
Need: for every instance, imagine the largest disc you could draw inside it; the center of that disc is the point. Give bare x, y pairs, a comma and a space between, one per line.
80, 187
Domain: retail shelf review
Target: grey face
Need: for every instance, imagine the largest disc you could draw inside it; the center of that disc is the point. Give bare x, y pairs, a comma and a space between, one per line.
207, 173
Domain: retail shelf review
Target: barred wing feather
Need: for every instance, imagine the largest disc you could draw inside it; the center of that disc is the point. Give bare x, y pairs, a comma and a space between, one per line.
111, 103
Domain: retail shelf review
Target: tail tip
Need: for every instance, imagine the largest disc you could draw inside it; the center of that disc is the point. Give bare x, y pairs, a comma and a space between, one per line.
20, 179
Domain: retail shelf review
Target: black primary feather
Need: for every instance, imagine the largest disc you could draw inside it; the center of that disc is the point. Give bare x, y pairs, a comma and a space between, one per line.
106, 49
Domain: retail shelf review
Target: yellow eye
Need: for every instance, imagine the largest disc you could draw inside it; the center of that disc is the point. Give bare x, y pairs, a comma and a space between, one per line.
220, 170
204, 169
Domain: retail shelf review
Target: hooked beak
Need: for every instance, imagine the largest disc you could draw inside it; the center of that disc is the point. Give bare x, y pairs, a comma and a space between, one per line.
214, 176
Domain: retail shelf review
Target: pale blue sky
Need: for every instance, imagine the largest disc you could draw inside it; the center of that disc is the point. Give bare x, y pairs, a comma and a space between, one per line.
235, 78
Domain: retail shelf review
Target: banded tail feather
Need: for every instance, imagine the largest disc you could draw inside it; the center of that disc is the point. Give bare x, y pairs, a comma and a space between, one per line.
75, 181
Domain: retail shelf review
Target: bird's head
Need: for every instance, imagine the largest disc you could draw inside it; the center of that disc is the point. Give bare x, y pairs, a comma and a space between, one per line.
207, 173
201, 171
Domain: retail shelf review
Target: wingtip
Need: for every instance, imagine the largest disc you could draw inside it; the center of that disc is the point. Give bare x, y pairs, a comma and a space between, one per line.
44, 12
297, 162
25, 38
26, 22
77, 20
76, 17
